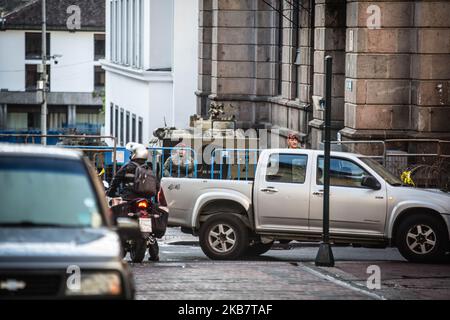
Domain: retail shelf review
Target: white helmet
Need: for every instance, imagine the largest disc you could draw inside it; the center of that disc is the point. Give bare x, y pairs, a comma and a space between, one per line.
138, 151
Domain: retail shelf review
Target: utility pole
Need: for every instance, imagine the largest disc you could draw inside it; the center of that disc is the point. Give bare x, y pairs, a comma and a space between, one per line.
44, 76
324, 256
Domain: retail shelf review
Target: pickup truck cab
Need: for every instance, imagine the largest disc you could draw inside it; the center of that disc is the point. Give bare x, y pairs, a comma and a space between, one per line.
368, 207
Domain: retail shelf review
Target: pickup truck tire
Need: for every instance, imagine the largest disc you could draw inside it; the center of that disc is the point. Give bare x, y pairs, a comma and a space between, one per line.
258, 249
223, 237
422, 238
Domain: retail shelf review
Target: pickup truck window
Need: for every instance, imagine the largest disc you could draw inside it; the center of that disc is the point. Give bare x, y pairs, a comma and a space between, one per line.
343, 173
286, 168
382, 171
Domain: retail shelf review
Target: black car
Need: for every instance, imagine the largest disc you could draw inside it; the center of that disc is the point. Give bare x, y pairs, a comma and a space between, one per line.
57, 239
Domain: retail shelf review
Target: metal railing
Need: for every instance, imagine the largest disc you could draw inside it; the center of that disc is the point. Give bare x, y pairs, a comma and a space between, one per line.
159, 157
33, 139
232, 156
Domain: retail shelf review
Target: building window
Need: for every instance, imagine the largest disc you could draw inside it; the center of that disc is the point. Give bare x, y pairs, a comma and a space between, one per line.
17, 121
99, 46
124, 32
121, 127
116, 123
31, 76
140, 130
111, 119
280, 49
118, 32
133, 128
33, 45
133, 33
127, 128
112, 34
141, 34
99, 78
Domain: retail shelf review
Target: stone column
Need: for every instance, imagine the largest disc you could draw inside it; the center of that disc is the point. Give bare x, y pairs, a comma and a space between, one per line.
305, 68
242, 73
3, 116
329, 39
204, 65
380, 39
430, 70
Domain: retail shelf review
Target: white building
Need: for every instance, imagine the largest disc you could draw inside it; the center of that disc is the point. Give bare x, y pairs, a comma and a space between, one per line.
151, 66
76, 76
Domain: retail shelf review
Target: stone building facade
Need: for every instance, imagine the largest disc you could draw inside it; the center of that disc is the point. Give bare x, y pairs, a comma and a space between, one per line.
264, 59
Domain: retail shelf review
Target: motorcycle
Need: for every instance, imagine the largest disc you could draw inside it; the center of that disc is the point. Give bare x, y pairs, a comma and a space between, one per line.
152, 222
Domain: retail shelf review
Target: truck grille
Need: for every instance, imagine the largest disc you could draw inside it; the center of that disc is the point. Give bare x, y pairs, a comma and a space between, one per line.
29, 285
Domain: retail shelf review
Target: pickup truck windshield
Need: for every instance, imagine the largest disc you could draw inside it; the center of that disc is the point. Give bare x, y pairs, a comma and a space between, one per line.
39, 191
382, 171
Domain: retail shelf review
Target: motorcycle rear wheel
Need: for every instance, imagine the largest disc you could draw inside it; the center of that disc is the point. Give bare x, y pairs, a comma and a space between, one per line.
137, 250
153, 251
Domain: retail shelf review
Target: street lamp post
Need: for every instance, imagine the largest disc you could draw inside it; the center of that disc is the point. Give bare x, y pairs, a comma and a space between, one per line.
324, 256
44, 77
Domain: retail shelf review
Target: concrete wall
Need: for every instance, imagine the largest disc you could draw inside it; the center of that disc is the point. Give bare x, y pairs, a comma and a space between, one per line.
170, 35
12, 66
388, 81
149, 98
398, 75
75, 69
185, 61
73, 73
161, 33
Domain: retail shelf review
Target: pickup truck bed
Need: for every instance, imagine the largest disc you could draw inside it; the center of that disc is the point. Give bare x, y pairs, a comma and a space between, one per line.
184, 194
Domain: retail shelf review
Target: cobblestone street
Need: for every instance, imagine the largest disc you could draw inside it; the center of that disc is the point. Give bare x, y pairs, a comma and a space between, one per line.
184, 272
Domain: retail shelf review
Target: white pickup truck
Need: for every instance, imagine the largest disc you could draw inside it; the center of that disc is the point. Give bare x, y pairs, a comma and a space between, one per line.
368, 207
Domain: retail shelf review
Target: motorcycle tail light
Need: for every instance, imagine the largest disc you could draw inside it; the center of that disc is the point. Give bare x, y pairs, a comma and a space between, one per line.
143, 204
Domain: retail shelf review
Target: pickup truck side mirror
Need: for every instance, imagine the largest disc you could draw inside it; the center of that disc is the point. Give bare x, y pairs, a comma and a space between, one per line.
371, 182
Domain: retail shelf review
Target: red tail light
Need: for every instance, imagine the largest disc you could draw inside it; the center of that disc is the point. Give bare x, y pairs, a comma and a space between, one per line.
143, 204
161, 198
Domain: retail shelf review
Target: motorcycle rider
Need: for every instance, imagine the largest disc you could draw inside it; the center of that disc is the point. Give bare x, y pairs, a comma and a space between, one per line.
125, 177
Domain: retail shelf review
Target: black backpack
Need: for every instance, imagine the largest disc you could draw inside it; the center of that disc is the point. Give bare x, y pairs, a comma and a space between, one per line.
145, 181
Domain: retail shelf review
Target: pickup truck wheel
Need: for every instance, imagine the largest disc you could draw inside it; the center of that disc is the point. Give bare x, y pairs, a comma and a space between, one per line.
223, 237
422, 238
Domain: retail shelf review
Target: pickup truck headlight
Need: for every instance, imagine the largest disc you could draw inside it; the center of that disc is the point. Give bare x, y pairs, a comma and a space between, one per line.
96, 284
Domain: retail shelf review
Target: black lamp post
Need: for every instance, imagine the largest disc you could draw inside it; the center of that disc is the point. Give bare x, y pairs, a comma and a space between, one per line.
324, 256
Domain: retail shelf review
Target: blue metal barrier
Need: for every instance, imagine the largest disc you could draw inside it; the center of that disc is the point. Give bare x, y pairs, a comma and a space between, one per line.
160, 151
154, 153
231, 155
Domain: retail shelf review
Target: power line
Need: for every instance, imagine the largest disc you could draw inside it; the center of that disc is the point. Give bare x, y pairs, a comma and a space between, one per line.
299, 5
281, 13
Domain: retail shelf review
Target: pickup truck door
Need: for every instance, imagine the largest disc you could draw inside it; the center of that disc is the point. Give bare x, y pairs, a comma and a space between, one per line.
281, 192
354, 209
